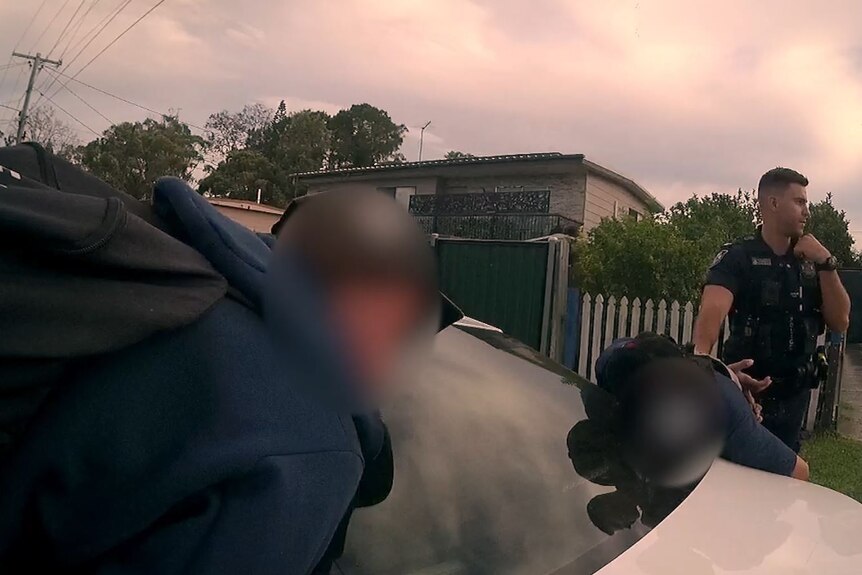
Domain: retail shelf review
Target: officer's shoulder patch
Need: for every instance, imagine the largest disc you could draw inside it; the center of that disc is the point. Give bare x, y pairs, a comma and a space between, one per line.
718, 257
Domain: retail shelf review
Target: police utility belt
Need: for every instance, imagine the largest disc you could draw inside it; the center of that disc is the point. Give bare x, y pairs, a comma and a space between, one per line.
776, 321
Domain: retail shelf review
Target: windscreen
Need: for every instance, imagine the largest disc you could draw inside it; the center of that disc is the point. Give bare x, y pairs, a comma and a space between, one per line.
505, 462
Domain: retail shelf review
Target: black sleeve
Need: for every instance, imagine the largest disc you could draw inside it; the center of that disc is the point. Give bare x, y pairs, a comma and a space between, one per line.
727, 269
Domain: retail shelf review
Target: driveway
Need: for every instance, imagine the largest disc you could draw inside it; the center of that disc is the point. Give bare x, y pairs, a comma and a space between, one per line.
850, 412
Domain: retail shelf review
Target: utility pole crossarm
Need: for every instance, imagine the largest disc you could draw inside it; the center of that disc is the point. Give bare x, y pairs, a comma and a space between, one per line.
38, 62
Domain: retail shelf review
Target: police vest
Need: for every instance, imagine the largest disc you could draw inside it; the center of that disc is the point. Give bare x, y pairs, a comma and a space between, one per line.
776, 317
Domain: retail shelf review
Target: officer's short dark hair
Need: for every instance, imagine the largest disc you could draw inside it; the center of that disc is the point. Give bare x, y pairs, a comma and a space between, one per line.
777, 180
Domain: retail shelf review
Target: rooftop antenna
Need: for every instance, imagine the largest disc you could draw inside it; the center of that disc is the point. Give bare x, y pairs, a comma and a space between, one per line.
422, 138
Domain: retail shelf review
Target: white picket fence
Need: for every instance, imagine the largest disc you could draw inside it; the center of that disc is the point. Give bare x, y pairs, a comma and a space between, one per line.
605, 319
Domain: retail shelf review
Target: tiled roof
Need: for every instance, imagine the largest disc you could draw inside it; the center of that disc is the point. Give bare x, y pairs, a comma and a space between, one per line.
440, 163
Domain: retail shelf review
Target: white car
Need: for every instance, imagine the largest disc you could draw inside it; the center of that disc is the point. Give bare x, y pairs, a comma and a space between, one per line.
503, 465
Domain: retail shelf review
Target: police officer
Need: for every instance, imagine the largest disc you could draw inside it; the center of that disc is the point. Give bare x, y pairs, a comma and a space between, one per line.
779, 287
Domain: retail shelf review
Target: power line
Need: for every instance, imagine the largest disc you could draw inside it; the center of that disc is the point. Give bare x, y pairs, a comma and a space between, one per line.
9, 108
48, 27
123, 33
97, 29
101, 28
66, 28
56, 105
121, 99
78, 27
104, 117
7, 66
18, 43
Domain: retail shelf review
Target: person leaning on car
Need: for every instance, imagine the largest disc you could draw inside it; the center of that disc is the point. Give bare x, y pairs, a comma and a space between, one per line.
745, 440
778, 287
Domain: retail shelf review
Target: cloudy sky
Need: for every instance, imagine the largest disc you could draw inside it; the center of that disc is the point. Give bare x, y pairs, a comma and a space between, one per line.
684, 97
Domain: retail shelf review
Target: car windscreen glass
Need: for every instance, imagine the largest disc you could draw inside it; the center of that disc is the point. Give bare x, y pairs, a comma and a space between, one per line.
505, 462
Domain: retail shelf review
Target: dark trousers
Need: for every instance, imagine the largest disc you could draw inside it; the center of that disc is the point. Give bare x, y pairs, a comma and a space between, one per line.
784, 416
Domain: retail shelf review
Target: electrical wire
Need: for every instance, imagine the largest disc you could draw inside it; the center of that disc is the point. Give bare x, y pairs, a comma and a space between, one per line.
65, 111
48, 27
116, 13
18, 43
9, 108
66, 28
104, 117
7, 66
127, 101
77, 29
97, 29
114, 41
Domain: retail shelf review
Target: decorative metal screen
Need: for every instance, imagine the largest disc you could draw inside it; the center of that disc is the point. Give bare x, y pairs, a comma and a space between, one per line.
536, 202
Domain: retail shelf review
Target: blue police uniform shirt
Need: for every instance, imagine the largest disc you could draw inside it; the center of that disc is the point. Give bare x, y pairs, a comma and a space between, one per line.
746, 442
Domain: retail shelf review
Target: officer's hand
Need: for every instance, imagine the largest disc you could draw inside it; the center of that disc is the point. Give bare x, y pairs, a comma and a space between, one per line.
747, 382
809, 248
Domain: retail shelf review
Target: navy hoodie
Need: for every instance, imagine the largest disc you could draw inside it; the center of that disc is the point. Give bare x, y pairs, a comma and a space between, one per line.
207, 449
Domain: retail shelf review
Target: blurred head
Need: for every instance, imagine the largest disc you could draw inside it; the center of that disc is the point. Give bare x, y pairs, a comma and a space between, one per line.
783, 200
378, 275
671, 411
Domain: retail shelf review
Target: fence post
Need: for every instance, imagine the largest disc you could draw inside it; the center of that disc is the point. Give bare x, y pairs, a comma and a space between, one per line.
648, 316
609, 322
687, 323
586, 320
622, 325
661, 318
674, 320
597, 331
636, 317
829, 397
547, 316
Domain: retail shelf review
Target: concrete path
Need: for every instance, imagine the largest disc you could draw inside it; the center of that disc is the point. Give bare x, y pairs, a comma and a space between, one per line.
850, 411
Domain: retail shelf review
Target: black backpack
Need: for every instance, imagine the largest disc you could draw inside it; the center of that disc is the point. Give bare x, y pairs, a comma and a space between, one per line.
85, 270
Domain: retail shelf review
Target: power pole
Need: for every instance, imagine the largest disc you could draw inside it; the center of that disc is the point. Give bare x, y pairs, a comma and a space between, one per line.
37, 62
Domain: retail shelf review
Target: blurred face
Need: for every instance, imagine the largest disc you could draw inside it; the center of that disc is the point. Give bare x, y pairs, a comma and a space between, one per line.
379, 321
789, 210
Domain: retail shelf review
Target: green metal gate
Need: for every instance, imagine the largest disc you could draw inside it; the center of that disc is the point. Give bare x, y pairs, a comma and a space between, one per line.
503, 283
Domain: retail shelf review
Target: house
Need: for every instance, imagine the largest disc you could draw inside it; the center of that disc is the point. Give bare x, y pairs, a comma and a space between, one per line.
502, 197
256, 217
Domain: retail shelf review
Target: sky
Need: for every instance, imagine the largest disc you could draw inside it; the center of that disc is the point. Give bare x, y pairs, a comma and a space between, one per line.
683, 97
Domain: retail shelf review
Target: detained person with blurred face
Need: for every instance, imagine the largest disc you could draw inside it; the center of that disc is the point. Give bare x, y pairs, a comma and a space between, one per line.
377, 276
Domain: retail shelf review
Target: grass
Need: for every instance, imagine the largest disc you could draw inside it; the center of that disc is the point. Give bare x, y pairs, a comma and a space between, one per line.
835, 462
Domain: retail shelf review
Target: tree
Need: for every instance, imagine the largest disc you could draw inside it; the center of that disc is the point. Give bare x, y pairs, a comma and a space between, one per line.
43, 126
831, 227
364, 136
647, 259
131, 156
242, 174
456, 155
229, 131
708, 222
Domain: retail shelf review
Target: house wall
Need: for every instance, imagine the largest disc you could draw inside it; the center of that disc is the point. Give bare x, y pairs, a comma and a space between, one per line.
255, 221
567, 189
601, 197
422, 185
567, 186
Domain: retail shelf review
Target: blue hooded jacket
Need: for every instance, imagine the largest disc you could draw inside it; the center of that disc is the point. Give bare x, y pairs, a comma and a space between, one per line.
201, 450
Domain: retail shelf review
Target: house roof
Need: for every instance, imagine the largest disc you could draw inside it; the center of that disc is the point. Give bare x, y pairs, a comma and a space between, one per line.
245, 205
591, 167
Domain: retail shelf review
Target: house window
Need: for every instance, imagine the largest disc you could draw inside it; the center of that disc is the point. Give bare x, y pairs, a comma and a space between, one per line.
635, 214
